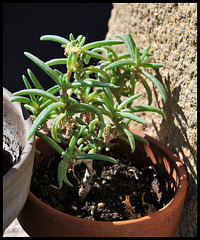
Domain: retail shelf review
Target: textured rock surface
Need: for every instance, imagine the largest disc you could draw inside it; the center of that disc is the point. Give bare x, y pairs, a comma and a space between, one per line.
172, 30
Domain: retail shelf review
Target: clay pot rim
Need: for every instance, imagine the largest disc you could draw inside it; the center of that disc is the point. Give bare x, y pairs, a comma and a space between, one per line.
164, 211
29, 145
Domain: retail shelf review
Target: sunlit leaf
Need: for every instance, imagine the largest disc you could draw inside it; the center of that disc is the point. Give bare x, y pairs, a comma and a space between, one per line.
155, 82
121, 63
130, 138
128, 100
131, 116
42, 116
95, 157
38, 92
54, 38
44, 67
100, 44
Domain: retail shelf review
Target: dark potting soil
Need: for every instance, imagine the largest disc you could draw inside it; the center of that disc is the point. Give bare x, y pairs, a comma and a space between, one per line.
7, 161
119, 191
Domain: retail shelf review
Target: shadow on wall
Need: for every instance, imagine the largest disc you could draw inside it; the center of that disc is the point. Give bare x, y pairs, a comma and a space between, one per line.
173, 131
174, 135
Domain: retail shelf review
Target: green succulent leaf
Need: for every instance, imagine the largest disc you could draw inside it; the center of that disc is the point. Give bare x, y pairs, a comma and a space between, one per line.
75, 137
155, 82
92, 124
128, 100
145, 53
28, 86
110, 49
71, 37
146, 86
151, 65
129, 43
121, 63
100, 44
42, 116
82, 41
137, 56
83, 107
52, 91
62, 169
25, 101
95, 55
26, 82
104, 112
95, 157
132, 47
56, 61
130, 138
55, 126
89, 82
141, 139
44, 67
104, 76
143, 109
38, 92
54, 38
69, 60
45, 103
94, 94
136, 137
130, 116
80, 121
31, 109
34, 80
108, 103
49, 141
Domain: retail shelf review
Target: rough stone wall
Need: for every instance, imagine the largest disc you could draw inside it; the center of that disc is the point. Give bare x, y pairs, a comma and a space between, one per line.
172, 30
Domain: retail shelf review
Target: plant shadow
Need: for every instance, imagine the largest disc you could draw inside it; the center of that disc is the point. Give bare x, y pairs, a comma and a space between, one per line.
173, 128
173, 131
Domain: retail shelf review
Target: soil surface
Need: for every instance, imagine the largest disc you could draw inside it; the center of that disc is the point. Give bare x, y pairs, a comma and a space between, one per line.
119, 191
7, 161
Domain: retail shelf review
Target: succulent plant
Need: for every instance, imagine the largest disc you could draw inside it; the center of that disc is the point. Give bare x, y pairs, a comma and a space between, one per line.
88, 112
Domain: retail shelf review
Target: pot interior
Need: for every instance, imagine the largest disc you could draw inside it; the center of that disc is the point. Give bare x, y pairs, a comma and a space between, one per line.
164, 161
14, 130
161, 158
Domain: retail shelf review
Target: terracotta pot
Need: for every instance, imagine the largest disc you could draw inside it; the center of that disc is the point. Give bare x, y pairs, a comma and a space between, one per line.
16, 182
40, 220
